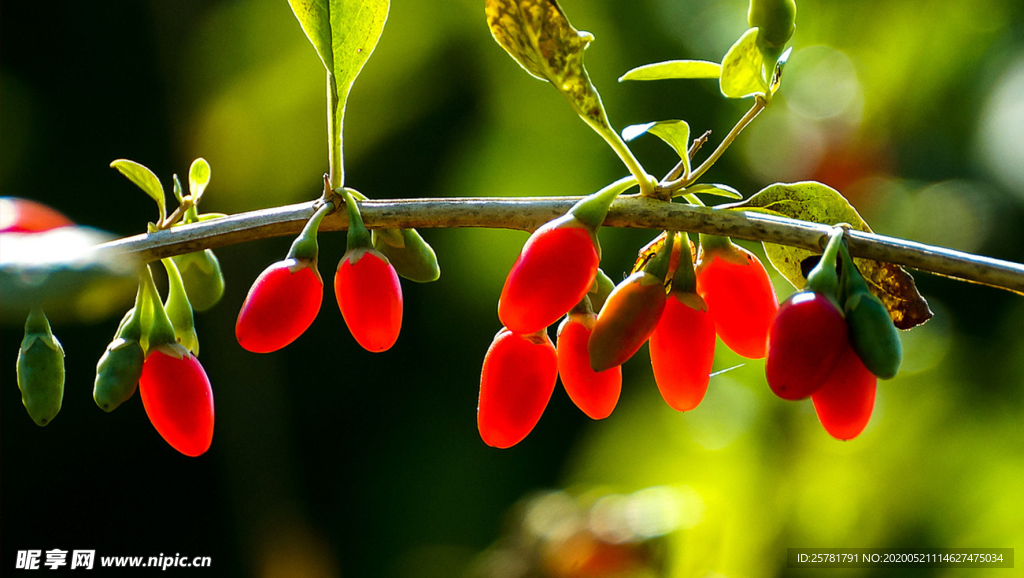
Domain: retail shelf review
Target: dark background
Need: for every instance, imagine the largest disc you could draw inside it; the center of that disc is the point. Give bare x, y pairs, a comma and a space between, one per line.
330, 460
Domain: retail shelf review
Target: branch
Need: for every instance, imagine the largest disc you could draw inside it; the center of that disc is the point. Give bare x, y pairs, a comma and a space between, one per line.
529, 213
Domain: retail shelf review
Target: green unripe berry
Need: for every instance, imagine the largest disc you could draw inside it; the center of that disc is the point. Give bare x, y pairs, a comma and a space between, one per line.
411, 256
40, 370
775, 21
873, 335
200, 271
118, 373
872, 332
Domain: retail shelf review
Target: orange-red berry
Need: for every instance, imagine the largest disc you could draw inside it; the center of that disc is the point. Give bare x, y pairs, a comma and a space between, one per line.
844, 403
516, 383
370, 298
280, 306
626, 321
555, 269
741, 299
683, 351
178, 399
595, 393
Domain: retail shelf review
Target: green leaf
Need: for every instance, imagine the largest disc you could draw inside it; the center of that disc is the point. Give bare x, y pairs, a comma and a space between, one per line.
145, 180
356, 26
673, 69
712, 189
818, 203
742, 74
674, 132
344, 34
540, 38
315, 18
198, 178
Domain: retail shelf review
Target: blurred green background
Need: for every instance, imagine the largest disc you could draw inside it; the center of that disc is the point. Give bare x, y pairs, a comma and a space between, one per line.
328, 460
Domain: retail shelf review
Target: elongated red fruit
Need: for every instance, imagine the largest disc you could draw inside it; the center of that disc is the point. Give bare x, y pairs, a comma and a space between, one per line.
178, 400
683, 351
282, 303
626, 321
595, 393
516, 383
370, 298
844, 403
740, 297
807, 338
556, 268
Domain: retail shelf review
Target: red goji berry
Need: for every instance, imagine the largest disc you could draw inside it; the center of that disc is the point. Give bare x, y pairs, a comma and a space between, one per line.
595, 393
683, 351
626, 321
370, 298
178, 399
631, 312
739, 295
516, 383
558, 264
555, 269
845, 401
280, 306
806, 340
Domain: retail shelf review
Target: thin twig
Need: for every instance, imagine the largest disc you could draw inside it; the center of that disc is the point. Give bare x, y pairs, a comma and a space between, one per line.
529, 213
759, 105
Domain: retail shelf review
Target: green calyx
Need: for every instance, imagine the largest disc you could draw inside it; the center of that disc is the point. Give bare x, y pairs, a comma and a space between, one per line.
358, 236
40, 369
305, 247
684, 280
592, 209
657, 268
823, 279
411, 256
179, 310
160, 331
603, 287
872, 333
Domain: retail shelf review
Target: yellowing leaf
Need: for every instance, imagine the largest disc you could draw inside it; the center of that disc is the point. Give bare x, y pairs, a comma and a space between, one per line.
540, 38
673, 69
818, 203
742, 74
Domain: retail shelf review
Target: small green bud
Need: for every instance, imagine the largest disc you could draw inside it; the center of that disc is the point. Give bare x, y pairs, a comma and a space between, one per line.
118, 373
40, 370
411, 256
200, 271
776, 22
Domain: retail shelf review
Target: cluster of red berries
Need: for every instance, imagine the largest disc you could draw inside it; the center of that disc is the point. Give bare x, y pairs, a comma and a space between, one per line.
286, 297
826, 344
668, 302
831, 342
